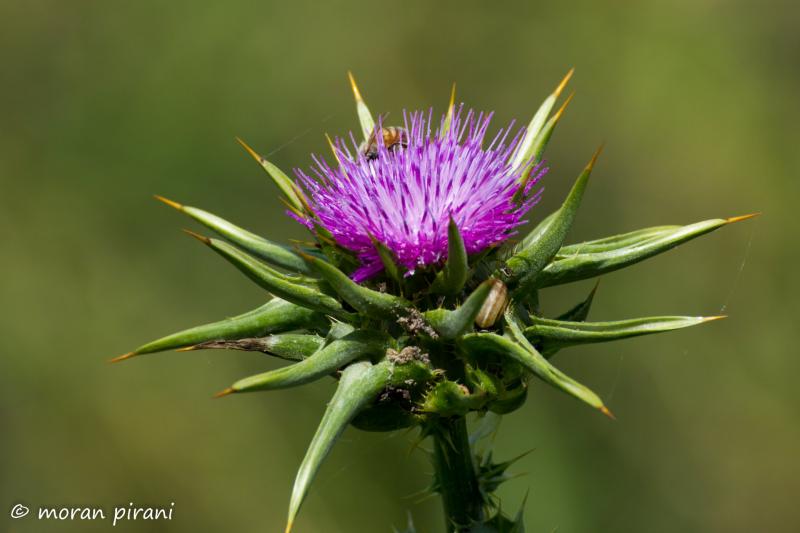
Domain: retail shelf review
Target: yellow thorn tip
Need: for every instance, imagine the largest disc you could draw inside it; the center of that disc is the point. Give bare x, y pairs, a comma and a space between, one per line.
167, 201
564, 82
201, 238
606, 411
249, 150
353, 85
122, 357
712, 318
731, 220
229, 390
563, 107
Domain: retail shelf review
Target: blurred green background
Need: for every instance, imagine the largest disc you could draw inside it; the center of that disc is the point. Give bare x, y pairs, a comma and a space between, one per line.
104, 103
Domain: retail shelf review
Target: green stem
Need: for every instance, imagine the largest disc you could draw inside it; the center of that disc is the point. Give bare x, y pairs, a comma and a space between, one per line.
457, 478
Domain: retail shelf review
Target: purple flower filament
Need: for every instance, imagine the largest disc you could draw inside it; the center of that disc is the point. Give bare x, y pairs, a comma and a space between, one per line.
405, 197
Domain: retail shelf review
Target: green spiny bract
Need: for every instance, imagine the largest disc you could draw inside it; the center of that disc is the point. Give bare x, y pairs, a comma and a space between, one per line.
425, 348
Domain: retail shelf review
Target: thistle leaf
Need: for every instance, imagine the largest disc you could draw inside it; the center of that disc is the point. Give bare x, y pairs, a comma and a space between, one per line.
616, 241
275, 282
527, 264
289, 346
273, 253
528, 145
357, 345
516, 347
364, 116
451, 279
451, 324
580, 266
293, 195
365, 300
553, 335
359, 385
275, 316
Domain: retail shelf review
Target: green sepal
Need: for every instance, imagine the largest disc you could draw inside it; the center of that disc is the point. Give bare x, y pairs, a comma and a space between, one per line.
451, 279
451, 324
359, 385
275, 316
526, 265
277, 283
363, 299
294, 196
580, 312
578, 266
272, 253
288, 346
552, 335
361, 344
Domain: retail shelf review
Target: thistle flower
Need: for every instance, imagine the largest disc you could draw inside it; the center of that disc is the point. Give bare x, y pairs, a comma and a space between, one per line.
413, 297
405, 198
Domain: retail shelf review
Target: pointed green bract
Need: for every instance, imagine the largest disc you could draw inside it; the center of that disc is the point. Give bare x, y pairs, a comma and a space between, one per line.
528, 263
516, 347
363, 299
390, 266
448, 119
359, 385
451, 324
633, 238
451, 279
527, 146
275, 316
272, 253
578, 266
556, 334
536, 233
357, 345
364, 116
289, 346
276, 283
293, 194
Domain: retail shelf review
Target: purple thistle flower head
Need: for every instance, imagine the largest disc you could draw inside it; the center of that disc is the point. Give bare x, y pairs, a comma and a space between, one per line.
405, 197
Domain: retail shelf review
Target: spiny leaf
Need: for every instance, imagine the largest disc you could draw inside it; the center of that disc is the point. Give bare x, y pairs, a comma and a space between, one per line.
528, 263
293, 194
580, 266
357, 345
450, 324
275, 316
556, 334
516, 347
275, 282
364, 116
581, 311
616, 241
363, 299
451, 279
359, 385
289, 346
527, 146
272, 253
